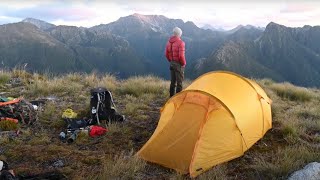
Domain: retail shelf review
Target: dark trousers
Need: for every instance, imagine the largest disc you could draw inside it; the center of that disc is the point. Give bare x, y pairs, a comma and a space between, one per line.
177, 75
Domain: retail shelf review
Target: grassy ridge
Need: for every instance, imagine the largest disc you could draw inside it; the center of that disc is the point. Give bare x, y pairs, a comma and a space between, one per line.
292, 142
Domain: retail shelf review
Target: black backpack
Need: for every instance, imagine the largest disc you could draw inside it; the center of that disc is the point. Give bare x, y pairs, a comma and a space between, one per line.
103, 107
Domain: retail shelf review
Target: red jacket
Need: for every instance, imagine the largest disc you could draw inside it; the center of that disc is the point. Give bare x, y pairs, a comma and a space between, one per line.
175, 50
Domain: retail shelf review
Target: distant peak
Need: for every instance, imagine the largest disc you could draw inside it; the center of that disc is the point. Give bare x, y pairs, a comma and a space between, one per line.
307, 26
249, 26
190, 22
273, 25
39, 23
33, 19
28, 19
145, 17
137, 15
208, 26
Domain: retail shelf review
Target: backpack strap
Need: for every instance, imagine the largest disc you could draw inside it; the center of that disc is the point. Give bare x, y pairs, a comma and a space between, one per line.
111, 99
98, 104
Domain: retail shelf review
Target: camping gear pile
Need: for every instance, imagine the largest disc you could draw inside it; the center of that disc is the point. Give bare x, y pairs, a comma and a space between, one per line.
76, 126
17, 110
102, 109
215, 119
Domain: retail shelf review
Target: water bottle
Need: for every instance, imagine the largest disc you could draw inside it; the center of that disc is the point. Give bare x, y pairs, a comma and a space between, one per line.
62, 136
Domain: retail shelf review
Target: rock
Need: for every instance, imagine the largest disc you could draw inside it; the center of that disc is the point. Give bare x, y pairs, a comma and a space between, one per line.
58, 164
309, 172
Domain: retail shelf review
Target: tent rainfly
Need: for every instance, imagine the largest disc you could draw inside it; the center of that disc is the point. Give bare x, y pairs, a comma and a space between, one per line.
215, 119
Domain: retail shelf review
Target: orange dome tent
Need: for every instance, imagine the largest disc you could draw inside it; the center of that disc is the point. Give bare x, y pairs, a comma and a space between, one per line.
214, 120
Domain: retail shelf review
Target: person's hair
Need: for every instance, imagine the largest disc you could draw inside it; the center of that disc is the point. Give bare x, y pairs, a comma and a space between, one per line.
177, 31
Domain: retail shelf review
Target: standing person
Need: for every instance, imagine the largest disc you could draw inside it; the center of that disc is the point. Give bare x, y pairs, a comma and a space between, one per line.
175, 54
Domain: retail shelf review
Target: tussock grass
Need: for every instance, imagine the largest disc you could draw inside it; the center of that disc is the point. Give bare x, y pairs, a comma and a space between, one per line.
122, 165
74, 77
26, 132
40, 139
276, 110
137, 86
21, 73
291, 132
57, 86
4, 77
313, 126
8, 125
288, 91
8, 139
109, 81
82, 138
137, 107
265, 82
185, 83
51, 116
91, 160
91, 80
114, 128
216, 173
4, 139
283, 161
309, 114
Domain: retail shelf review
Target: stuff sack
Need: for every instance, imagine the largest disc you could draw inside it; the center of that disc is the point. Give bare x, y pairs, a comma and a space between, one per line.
73, 124
18, 109
97, 131
102, 106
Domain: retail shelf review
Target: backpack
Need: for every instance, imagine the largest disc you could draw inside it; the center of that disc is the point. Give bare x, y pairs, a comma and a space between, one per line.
103, 107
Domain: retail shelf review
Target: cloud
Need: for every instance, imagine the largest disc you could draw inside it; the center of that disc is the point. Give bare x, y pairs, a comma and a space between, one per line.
299, 8
51, 12
6, 20
226, 14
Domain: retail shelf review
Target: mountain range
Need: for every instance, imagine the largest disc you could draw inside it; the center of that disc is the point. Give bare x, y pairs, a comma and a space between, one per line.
134, 45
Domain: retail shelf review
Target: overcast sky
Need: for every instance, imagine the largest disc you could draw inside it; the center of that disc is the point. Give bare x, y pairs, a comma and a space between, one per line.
225, 14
